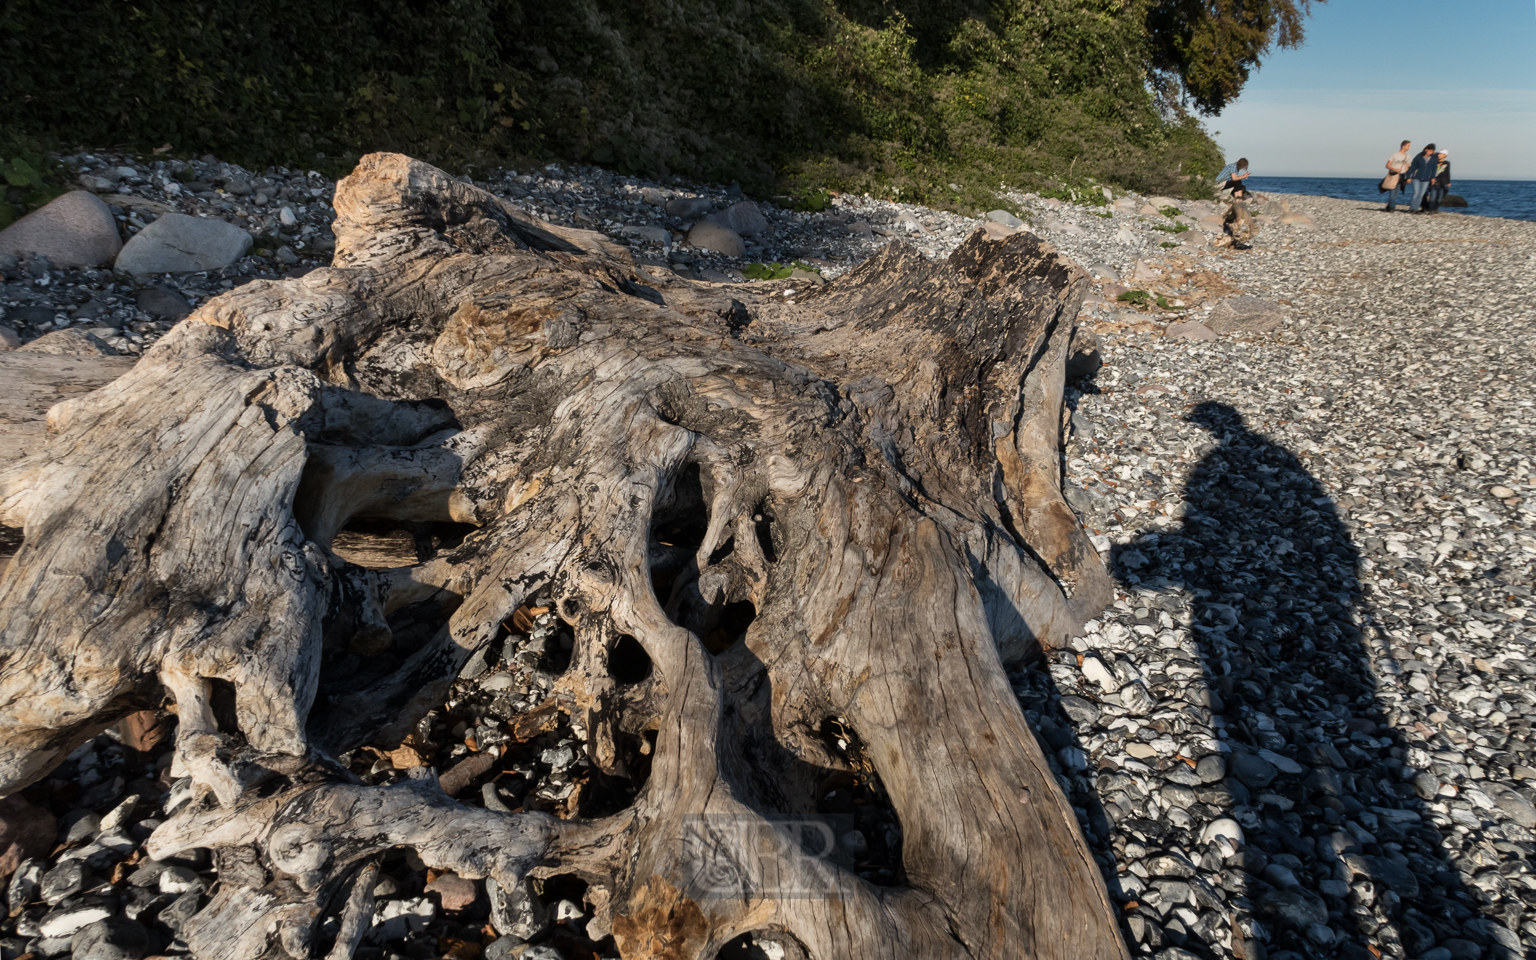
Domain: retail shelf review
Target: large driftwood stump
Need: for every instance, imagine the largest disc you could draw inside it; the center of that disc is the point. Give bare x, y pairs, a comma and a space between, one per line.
871, 472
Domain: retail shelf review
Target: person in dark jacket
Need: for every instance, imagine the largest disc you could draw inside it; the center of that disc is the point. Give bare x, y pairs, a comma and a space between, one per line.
1422, 173
1442, 182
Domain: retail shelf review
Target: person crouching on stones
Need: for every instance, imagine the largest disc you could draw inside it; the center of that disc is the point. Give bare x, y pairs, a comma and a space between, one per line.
1397, 165
1236, 185
1422, 173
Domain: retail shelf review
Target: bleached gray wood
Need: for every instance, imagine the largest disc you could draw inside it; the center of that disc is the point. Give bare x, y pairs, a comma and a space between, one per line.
899, 429
358, 914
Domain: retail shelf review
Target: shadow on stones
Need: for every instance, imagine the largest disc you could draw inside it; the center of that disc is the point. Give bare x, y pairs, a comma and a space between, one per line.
1339, 856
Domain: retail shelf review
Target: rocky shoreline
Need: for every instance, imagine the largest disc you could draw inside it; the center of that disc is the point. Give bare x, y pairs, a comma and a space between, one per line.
1302, 729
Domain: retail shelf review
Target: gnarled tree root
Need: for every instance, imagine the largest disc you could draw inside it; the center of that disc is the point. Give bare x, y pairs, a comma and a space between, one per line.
875, 469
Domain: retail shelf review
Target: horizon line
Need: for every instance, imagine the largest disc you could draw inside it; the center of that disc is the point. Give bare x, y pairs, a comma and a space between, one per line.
1343, 176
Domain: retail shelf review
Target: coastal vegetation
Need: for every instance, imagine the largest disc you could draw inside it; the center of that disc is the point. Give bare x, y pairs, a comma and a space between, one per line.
918, 100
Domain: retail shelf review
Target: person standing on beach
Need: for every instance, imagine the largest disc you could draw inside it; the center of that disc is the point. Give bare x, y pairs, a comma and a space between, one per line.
1422, 172
1397, 165
1442, 182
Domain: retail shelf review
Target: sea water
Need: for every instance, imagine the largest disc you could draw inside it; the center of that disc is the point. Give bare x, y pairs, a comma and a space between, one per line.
1515, 199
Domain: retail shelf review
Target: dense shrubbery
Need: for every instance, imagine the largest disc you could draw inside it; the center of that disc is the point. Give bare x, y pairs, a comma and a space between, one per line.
931, 100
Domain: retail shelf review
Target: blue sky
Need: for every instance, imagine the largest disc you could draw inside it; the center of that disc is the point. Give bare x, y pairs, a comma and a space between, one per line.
1373, 72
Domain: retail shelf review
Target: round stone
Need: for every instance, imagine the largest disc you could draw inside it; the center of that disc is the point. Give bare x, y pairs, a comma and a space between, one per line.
1211, 768
1226, 829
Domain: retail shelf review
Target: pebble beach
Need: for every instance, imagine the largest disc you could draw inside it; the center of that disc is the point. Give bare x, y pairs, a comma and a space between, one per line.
1302, 730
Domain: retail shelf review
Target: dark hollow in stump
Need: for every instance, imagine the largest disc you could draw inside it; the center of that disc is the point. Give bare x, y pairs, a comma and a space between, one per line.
873, 467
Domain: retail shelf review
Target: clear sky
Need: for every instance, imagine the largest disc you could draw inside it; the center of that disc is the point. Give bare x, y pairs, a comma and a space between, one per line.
1460, 73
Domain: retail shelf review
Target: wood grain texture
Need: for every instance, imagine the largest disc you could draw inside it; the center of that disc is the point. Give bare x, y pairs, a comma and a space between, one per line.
872, 465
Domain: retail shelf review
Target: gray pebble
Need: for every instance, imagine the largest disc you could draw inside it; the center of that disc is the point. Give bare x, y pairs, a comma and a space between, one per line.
114, 938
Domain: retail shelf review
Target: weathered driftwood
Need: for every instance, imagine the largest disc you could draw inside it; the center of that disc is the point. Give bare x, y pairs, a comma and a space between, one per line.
872, 465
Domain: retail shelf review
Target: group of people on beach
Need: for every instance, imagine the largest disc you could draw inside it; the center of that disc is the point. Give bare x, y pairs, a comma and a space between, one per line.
1429, 172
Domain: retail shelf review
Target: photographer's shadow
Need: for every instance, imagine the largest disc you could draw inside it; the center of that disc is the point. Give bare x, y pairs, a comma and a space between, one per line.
1273, 579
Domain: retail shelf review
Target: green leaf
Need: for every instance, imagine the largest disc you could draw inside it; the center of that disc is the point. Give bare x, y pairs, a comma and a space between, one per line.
21, 174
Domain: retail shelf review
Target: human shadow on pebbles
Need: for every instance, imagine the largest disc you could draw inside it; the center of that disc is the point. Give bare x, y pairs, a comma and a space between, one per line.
1337, 856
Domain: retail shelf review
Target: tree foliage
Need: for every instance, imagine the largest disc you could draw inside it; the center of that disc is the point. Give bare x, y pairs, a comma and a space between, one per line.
1212, 46
932, 100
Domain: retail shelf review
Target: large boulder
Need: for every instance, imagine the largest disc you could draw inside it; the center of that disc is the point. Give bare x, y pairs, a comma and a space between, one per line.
1239, 315
75, 230
744, 217
709, 235
1189, 330
688, 208
177, 243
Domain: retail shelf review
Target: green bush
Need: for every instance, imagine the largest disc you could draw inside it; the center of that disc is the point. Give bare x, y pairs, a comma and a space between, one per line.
776, 271
27, 179
943, 103
767, 271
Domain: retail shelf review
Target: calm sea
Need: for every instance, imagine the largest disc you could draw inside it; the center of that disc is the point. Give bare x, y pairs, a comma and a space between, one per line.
1515, 199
